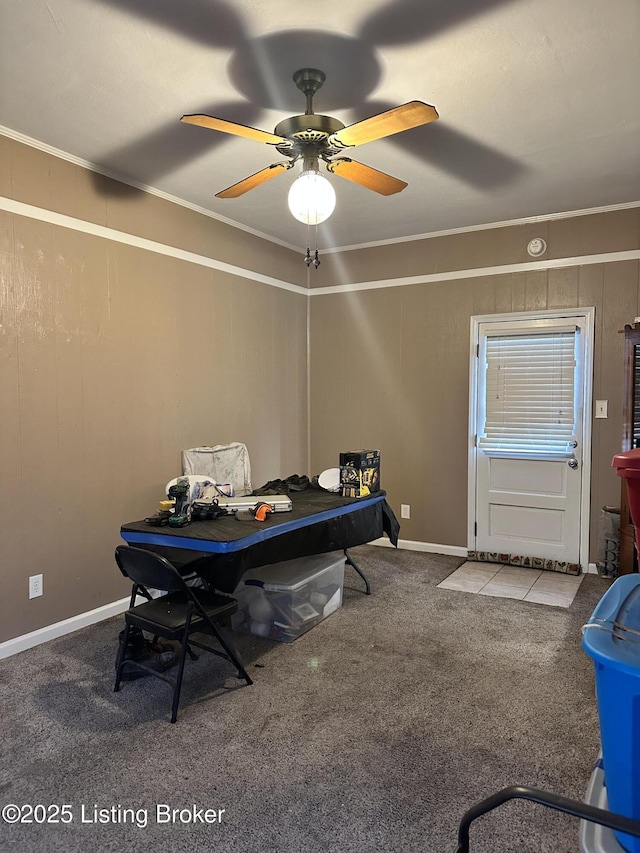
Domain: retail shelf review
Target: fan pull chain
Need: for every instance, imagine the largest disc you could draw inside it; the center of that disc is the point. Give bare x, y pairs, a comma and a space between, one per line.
308, 258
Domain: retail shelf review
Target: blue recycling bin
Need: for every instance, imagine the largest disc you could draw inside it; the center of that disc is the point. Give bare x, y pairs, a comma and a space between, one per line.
612, 639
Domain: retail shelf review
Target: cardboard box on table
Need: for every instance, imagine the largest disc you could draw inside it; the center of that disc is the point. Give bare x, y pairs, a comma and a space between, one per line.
359, 473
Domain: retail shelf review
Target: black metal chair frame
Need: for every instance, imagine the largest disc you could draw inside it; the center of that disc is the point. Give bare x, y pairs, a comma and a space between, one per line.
147, 570
545, 798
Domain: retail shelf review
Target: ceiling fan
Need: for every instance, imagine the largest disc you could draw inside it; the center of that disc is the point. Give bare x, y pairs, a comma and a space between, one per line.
312, 137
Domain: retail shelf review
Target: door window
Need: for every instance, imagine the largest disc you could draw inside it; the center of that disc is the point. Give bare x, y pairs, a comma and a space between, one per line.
527, 393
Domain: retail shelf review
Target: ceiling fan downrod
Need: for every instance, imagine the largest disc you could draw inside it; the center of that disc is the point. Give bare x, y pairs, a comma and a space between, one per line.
309, 80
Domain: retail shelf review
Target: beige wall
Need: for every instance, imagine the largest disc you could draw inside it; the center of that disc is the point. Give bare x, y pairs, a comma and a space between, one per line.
115, 358
390, 366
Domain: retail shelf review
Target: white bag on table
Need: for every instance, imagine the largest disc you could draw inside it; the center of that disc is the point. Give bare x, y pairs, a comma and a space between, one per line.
223, 463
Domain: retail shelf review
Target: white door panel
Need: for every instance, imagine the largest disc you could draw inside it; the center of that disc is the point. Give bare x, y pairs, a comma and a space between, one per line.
544, 527
544, 477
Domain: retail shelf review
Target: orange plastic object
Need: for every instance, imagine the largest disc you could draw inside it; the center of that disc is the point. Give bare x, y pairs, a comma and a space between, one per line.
262, 511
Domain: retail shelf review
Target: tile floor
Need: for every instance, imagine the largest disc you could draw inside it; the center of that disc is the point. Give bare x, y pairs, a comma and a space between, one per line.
553, 588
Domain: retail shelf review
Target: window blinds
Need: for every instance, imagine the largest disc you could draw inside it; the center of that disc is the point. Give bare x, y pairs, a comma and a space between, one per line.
529, 393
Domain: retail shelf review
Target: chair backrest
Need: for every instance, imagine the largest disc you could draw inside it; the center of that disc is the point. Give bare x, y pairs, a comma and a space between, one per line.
149, 569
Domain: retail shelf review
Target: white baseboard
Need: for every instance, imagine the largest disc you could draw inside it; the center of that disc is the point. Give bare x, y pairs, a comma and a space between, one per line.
58, 629
429, 547
82, 620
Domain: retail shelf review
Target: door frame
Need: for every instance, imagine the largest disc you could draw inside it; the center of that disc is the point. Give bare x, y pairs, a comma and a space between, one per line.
588, 314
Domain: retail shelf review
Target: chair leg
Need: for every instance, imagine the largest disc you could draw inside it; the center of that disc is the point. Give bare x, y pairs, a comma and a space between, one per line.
120, 658
233, 655
178, 686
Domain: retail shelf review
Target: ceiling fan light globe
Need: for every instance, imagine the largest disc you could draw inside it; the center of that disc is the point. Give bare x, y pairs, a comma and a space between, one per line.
312, 198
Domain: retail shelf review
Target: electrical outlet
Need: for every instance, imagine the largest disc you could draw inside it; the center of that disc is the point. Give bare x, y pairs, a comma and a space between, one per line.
405, 510
35, 586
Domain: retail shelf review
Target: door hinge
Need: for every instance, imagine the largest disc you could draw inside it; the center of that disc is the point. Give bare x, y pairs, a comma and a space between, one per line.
477, 350
475, 528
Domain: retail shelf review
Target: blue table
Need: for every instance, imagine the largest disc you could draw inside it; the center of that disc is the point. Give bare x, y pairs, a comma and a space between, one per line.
222, 550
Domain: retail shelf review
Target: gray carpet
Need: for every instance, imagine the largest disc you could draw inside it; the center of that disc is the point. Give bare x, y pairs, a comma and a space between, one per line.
375, 731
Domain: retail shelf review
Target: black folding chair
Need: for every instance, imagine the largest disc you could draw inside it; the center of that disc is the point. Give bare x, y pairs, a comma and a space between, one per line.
182, 611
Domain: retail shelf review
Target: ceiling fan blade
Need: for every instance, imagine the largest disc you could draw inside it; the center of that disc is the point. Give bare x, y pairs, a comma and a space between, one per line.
366, 176
404, 117
459, 155
236, 129
254, 180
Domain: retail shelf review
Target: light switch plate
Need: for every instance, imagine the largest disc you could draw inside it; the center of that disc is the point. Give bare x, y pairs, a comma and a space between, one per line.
601, 408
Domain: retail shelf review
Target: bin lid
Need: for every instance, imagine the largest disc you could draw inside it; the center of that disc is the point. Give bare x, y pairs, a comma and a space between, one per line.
612, 635
628, 459
292, 574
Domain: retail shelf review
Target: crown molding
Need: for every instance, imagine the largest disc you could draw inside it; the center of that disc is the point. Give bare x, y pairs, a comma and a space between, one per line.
527, 220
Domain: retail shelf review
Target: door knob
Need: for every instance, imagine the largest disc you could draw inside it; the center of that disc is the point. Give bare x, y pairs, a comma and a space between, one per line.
573, 463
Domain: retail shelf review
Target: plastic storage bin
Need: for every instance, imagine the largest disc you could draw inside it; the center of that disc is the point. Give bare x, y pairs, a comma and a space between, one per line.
285, 600
612, 640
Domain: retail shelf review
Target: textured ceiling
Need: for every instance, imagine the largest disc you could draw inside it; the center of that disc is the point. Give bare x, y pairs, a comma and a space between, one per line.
539, 101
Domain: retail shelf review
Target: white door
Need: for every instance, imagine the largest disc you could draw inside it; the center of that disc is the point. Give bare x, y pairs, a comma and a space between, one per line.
529, 437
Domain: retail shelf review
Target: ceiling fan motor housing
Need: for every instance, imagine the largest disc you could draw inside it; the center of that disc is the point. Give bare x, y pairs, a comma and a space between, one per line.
314, 126
308, 135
